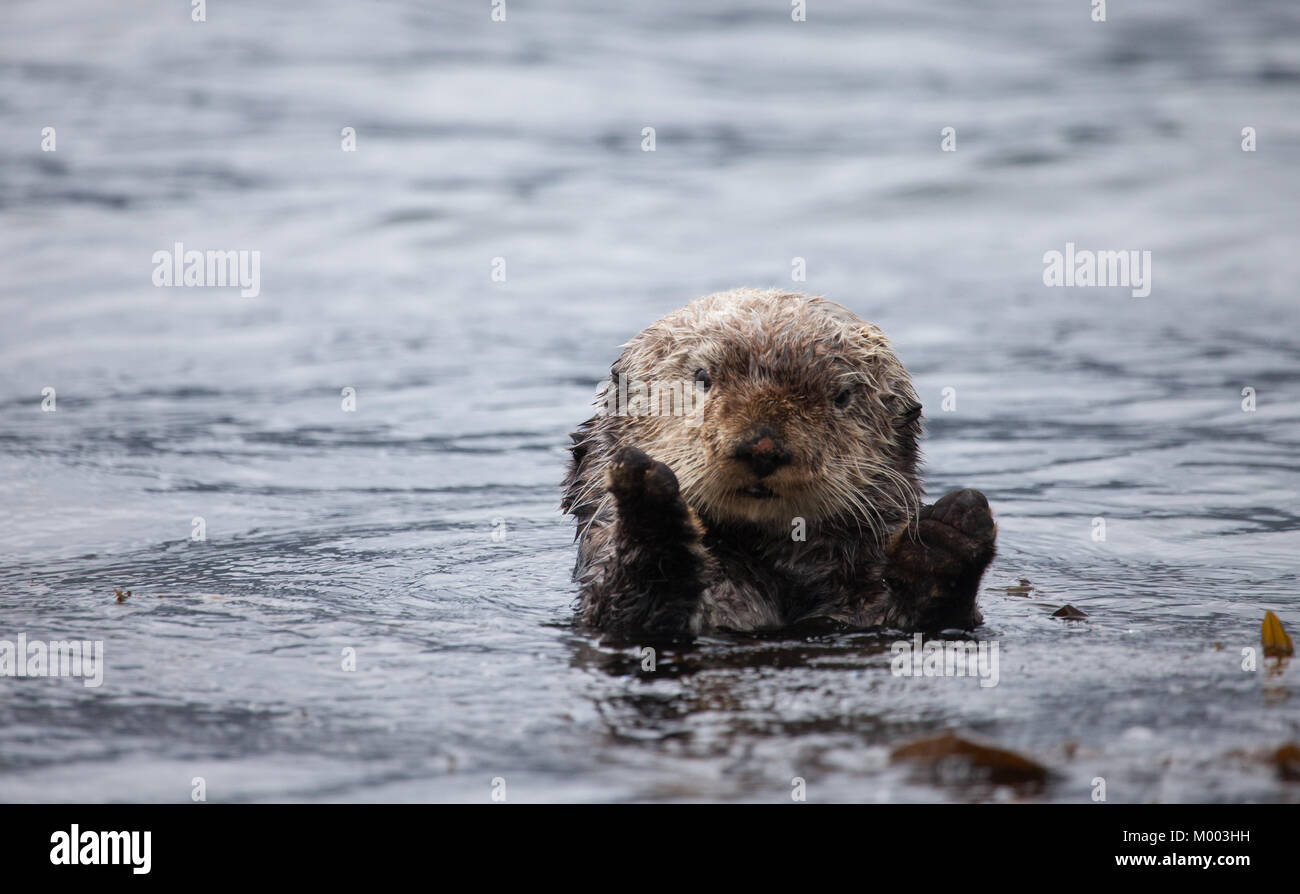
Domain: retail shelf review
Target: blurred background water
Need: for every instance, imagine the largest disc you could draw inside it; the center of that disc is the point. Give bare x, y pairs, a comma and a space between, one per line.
372, 530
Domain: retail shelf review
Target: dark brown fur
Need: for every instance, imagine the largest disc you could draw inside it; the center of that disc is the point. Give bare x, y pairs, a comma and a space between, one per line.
688, 522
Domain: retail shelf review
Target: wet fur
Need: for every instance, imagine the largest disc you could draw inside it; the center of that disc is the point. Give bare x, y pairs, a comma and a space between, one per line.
670, 541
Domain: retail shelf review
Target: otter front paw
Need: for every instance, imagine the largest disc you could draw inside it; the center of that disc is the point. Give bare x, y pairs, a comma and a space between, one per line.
653, 572
648, 498
935, 568
635, 479
959, 530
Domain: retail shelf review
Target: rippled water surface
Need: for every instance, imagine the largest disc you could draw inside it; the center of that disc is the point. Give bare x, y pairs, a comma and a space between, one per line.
373, 530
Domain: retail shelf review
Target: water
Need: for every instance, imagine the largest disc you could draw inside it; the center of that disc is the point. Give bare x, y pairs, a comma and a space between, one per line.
372, 530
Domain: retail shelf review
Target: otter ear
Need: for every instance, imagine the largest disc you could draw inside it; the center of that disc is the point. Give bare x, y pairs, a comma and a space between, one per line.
871, 334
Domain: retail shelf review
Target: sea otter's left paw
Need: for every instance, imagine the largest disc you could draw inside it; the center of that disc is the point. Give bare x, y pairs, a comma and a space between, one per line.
934, 568
952, 540
960, 524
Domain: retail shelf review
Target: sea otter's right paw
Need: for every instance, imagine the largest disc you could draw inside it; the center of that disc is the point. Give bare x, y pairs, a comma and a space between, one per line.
638, 482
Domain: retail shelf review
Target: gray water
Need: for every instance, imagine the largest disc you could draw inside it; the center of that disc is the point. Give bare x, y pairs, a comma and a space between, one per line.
373, 530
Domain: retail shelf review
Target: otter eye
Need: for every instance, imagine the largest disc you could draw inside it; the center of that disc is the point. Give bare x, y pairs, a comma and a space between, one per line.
842, 399
702, 376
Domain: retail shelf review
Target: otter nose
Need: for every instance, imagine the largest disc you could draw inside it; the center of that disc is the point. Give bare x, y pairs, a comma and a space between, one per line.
764, 452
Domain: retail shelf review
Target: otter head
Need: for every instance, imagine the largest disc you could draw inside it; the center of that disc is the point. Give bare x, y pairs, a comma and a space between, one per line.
795, 408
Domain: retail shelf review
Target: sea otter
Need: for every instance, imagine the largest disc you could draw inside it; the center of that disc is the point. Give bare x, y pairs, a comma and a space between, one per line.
763, 475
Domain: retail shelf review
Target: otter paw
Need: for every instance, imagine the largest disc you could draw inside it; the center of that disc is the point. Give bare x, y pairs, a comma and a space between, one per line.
963, 512
935, 568
954, 538
633, 477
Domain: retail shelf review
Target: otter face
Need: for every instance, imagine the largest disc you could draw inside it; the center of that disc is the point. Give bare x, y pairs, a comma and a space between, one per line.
802, 412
